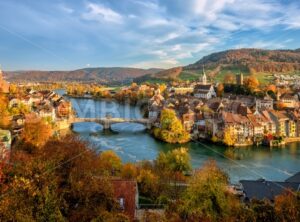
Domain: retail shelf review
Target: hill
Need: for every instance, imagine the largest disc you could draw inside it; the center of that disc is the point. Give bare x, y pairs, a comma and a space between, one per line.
162, 76
114, 75
259, 62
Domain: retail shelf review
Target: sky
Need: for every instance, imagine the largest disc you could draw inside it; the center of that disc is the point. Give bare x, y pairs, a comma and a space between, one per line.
72, 34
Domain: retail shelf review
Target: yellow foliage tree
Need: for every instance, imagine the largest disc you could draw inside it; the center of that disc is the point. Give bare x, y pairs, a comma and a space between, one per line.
228, 138
171, 129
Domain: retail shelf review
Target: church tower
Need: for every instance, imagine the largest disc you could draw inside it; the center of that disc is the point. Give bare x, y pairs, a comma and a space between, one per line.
203, 78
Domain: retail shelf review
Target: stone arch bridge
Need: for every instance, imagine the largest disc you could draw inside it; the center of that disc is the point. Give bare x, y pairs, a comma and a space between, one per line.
107, 122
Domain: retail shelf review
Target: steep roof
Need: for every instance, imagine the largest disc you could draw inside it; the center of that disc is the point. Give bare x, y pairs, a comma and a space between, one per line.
203, 87
261, 189
294, 179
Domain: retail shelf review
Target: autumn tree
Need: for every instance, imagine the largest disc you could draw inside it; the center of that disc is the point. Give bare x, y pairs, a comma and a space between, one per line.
251, 83
177, 160
206, 198
62, 182
5, 117
220, 90
36, 131
287, 206
171, 129
228, 138
129, 171
110, 162
271, 88
229, 78
148, 183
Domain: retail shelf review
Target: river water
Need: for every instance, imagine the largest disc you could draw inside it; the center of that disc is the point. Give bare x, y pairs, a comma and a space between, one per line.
132, 143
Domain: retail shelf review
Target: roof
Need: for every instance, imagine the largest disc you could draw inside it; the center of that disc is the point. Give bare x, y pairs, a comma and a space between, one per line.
294, 179
127, 190
262, 189
203, 87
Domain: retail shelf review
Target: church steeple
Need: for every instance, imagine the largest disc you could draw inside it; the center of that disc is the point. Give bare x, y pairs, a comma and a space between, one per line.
203, 78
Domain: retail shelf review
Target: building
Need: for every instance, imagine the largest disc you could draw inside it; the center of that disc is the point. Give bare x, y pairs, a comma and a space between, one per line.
284, 126
265, 103
155, 105
240, 79
287, 100
63, 109
262, 189
4, 86
204, 91
126, 194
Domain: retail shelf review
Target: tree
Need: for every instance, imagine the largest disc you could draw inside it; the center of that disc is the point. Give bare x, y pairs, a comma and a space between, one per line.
62, 182
220, 89
229, 78
129, 171
148, 183
287, 206
251, 83
206, 198
177, 160
171, 129
228, 138
271, 88
36, 132
110, 162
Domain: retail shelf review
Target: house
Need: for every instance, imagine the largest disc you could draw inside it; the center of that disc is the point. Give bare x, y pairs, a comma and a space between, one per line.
238, 125
155, 105
282, 122
262, 189
265, 103
188, 119
126, 194
46, 111
287, 100
257, 127
202, 91
63, 109
295, 117
267, 122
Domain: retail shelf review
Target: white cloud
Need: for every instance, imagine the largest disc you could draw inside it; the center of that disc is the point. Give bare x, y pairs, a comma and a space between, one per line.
167, 63
100, 13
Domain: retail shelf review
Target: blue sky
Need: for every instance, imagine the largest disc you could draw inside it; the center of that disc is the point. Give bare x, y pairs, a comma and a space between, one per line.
64, 35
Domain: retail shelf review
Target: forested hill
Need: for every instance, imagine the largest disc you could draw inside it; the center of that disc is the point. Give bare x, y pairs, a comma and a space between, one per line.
99, 75
255, 60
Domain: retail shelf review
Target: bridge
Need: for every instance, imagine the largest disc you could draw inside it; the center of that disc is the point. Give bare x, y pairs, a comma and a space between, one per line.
107, 122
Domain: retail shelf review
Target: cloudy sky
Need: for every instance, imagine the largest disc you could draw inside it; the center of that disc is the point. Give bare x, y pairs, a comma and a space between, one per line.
62, 35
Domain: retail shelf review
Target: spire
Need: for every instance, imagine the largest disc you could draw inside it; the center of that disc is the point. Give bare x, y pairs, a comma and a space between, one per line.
203, 77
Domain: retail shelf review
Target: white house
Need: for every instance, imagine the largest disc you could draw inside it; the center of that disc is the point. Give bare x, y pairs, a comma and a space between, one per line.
204, 91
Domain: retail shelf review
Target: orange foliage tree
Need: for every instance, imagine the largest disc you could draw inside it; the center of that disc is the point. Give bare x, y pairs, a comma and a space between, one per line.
36, 131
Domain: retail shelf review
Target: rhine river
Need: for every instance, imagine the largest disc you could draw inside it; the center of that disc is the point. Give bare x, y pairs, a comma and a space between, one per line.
132, 143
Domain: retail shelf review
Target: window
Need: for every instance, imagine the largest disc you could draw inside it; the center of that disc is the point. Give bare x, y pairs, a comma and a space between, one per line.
122, 203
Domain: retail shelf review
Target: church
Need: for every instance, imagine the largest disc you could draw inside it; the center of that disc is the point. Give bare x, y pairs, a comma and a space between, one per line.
204, 90
4, 86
